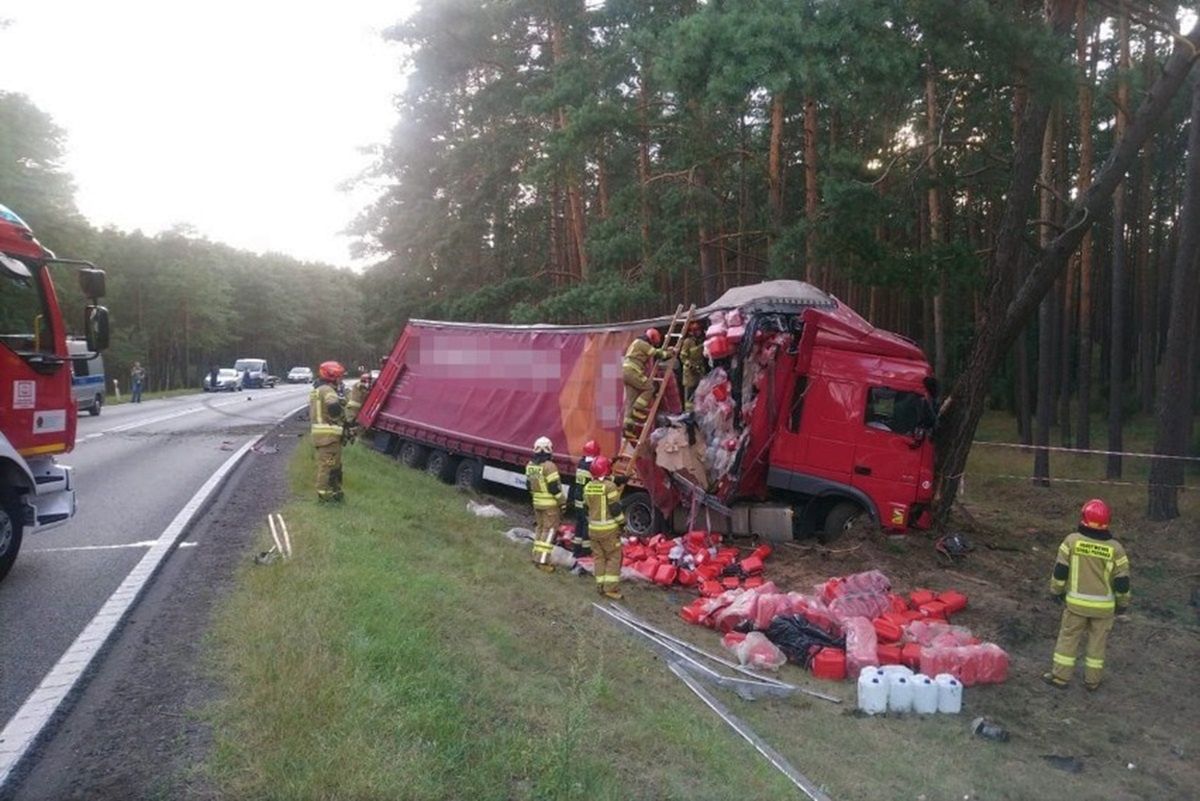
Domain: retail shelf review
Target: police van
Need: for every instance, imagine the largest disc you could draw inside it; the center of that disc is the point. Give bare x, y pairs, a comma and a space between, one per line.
87, 377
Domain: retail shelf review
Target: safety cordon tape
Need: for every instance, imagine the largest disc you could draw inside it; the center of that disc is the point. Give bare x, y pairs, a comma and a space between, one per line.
1085, 450
1089, 481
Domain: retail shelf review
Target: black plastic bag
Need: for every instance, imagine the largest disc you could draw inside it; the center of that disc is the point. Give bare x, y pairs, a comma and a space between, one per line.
799, 639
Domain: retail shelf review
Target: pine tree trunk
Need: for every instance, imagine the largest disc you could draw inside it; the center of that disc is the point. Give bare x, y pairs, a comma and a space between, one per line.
1065, 301
811, 198
1083, 437
775, 164
1117, 310
644, 160
935, 217
1177, 378
1045, 362
1145, 269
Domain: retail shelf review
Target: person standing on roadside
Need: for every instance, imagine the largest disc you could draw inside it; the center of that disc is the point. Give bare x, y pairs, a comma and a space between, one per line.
326, 412
546, 494
1091, 575
137, 377
605, 521
591, 449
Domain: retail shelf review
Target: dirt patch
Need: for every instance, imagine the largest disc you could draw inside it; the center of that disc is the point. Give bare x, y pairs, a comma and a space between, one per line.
137, 731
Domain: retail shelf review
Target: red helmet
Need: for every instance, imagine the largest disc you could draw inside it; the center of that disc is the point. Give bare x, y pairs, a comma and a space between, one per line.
591, 448
654, 336
601, 467
331, 371
1095, 514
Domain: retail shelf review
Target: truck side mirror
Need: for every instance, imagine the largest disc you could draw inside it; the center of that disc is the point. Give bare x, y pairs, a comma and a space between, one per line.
92, 282
95, 325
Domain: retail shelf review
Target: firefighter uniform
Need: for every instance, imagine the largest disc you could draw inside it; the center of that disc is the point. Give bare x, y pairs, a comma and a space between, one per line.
545, 490
583, 474
1092, 572
356, 398
326, 411
605, 520
639, 389
691, 354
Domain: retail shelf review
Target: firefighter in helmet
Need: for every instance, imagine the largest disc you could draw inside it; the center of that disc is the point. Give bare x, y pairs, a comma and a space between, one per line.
605, 520
327, 413
583, 474
691, 354
639, 389
357, 397
546, 492
1091, 574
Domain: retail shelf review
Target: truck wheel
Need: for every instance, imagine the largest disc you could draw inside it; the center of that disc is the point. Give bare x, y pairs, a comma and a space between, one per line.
413, 454
839, 519
441, 466
10, 540
641, 518
94, 409
469, 475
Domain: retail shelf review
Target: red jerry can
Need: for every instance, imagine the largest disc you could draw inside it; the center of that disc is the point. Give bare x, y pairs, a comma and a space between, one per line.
913, 614
731, 582
634, 553
694, 611
647, 567
687, 578
727, 555
710, 588
910, 655
762, 551
830, 663
752, 582
888, 654
664, 547
695, 540
954, 601
886, 630
665, 575
752, 565
897, 603
918, 597
709, 570
935, 610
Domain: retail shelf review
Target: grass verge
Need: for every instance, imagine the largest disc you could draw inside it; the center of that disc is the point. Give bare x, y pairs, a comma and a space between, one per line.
408, 651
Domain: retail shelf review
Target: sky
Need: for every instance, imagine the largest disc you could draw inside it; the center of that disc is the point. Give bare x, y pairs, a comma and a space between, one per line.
240, 119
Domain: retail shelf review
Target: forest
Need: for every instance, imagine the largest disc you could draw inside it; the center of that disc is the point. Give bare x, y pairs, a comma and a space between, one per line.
179, 303
1003, 182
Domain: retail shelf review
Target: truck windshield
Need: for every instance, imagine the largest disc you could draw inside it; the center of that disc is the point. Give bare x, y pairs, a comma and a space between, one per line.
898, 411
242, 365
24, 322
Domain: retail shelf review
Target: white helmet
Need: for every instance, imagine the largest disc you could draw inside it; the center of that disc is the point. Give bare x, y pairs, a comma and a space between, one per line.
543, 445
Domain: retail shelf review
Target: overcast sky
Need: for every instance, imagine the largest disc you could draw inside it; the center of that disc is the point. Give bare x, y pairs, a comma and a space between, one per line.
239, 118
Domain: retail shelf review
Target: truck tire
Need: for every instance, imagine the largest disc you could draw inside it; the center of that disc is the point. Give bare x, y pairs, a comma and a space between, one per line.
841, 517
641, 518
10, 539
97, 403
412, 454
469, 475
441, 465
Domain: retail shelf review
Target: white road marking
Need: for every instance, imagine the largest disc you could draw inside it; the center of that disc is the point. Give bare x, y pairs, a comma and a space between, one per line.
163, 418
24, 727
187, 545
142, 544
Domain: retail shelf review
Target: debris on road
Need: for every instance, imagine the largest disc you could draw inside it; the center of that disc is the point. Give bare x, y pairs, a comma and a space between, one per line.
982, 727
485, 509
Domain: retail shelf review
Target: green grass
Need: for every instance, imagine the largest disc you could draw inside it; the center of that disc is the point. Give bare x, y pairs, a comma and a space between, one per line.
408, 651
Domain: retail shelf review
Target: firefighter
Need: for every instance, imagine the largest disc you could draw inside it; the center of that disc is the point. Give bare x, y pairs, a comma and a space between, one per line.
583, 474
639, 389
327, 411
356, 399
691, 354
605, 520
1091, 574
546, 492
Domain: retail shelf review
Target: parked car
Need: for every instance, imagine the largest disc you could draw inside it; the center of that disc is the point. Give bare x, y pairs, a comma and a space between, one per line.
255, 373
87, 377
228, 380
300, 375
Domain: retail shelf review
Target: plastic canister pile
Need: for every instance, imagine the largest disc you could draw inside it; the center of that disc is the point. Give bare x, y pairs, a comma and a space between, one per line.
696, 559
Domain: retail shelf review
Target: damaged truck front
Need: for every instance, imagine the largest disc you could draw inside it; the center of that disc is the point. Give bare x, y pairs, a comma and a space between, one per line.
810, 420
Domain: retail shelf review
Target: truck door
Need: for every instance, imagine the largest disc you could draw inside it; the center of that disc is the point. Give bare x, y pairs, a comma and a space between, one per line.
888, 452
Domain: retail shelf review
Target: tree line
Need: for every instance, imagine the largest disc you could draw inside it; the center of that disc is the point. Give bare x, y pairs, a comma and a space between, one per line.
1002, 182
179, 303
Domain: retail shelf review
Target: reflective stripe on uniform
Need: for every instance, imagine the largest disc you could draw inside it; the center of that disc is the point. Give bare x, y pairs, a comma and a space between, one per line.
1093, 664
1063, 659
539, 488
324, 428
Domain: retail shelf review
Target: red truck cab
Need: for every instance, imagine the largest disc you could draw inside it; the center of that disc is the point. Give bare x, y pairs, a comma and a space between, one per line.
37, 410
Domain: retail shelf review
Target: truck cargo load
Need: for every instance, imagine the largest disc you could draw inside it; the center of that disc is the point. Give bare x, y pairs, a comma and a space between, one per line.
808, 419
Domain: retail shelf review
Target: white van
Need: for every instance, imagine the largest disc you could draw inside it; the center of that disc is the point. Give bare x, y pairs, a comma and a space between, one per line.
87, 377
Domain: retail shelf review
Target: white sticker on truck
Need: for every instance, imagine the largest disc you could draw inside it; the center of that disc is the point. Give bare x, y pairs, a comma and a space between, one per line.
48, 422
24, 394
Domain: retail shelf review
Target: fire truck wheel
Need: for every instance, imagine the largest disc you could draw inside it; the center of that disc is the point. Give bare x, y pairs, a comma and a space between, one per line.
441, 465
840, 518
413, 454
10, 539
469, 475
641, 518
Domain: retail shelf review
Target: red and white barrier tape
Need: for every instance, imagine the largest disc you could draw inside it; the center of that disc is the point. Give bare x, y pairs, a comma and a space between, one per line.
1089, 481
1085, 450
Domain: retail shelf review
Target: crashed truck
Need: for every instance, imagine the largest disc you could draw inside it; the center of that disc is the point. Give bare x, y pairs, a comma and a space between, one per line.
811, 420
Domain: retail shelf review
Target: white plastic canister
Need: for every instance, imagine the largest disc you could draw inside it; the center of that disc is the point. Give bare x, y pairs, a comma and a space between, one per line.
872, 693
896, 670
900, 693
925, 695
950, 693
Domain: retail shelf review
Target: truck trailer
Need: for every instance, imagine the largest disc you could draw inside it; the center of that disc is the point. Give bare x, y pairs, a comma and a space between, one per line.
809, 420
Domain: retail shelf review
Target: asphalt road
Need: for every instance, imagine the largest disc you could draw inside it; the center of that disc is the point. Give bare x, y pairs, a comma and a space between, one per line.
135, 466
